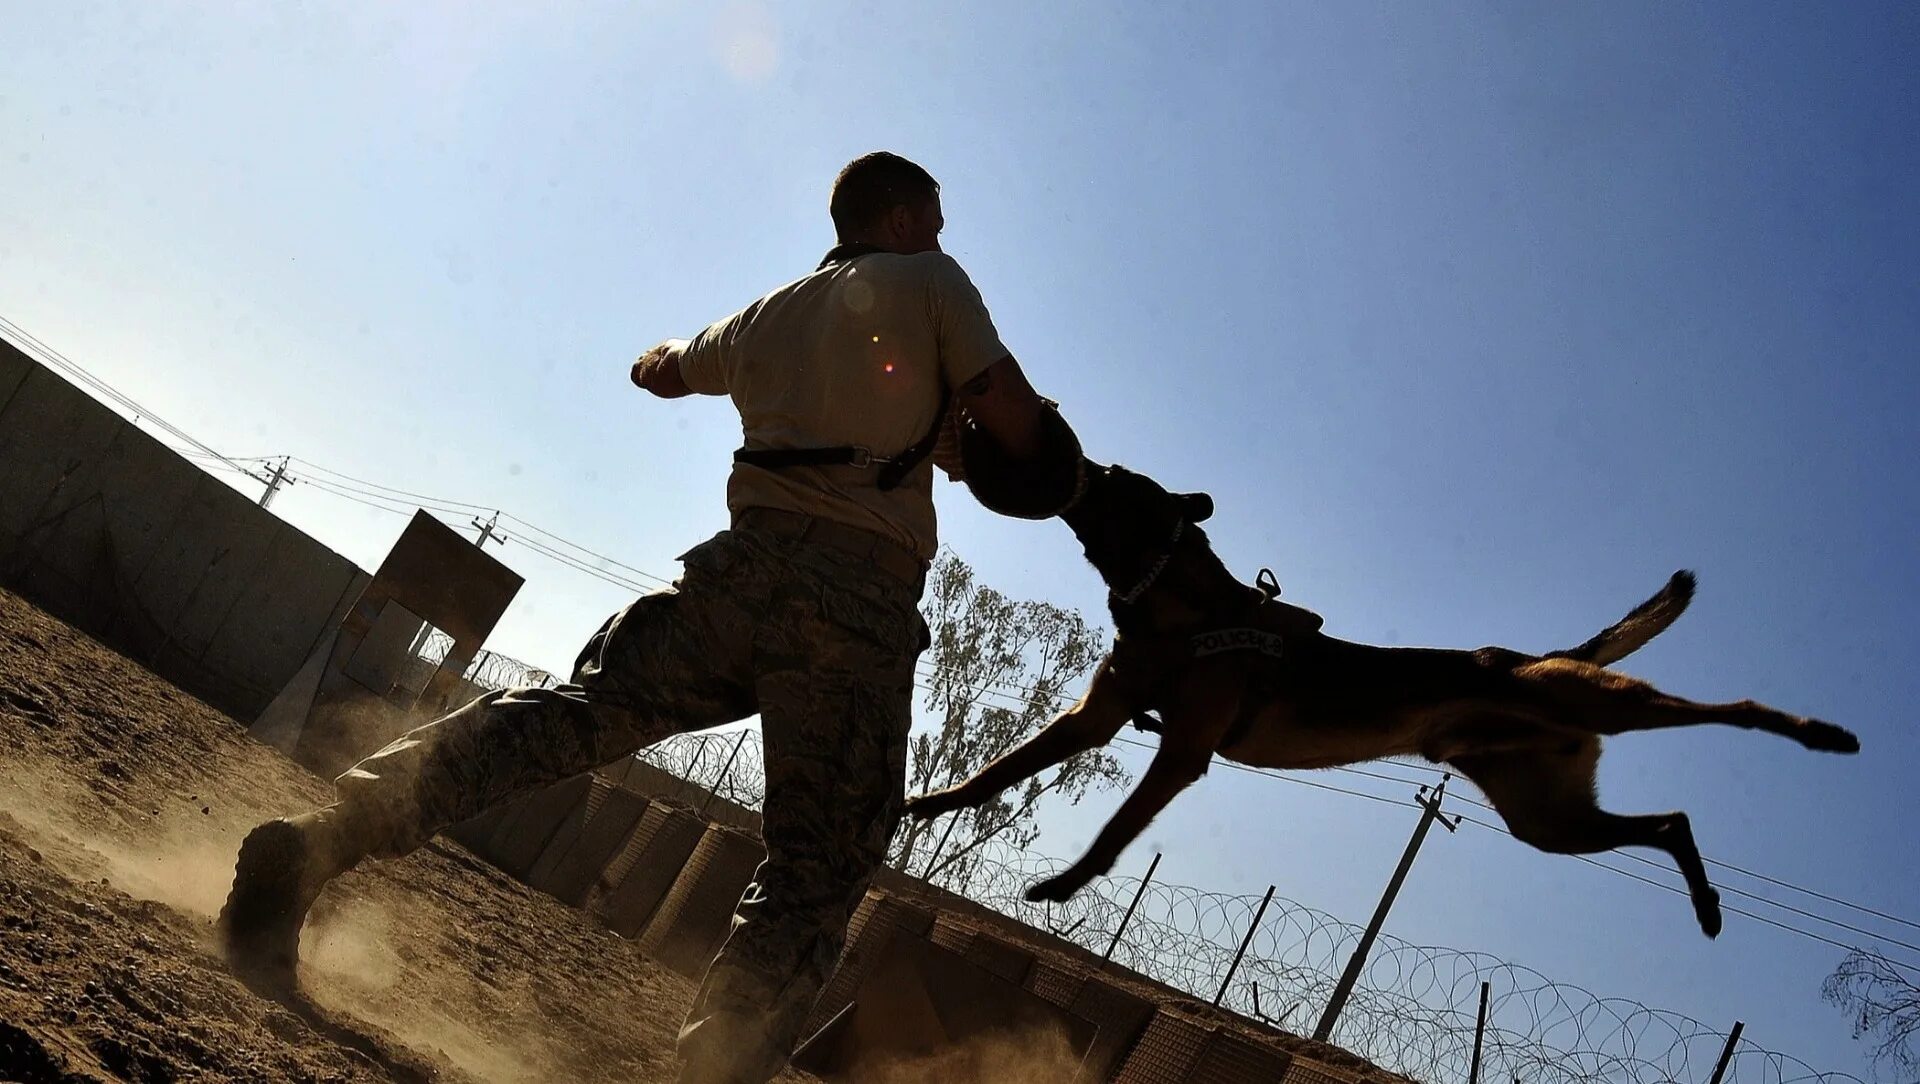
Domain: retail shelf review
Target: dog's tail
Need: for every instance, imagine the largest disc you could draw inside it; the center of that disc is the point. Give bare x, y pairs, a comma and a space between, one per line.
1631, 633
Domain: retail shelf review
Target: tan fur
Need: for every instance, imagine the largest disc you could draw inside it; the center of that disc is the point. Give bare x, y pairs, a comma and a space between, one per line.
1525, 729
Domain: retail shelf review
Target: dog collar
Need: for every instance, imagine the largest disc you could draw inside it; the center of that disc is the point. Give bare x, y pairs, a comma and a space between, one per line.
1153, 573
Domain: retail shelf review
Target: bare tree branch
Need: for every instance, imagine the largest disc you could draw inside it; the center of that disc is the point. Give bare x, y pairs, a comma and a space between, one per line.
1885, 1006
1001, 667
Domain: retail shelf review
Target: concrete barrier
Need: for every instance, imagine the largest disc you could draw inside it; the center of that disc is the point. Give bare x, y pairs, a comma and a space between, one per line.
871, 927
922, 1001
110, 530
1167, 1051
1303, 1071
516, 842
995, 955
646, 867
474, 832
570, 866
697, 913
1120, 1014
1180, 1046
1057, 982
1232, 1058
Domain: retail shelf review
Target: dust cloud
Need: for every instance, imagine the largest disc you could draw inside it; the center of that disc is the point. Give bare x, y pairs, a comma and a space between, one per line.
1032, 1057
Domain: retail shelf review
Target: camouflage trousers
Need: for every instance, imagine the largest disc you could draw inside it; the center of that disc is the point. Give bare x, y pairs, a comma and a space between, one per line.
819, 643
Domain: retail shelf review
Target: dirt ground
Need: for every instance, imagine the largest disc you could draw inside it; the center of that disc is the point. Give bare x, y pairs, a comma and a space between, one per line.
122, 803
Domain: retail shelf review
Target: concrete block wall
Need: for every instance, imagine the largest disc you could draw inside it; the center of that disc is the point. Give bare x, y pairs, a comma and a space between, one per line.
106, 527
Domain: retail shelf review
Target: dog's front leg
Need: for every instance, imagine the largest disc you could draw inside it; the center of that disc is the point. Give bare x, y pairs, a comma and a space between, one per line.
1088, 724
1174, 768
1197, 716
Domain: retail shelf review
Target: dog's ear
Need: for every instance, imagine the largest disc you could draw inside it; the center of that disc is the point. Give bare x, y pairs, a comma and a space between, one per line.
1195, 506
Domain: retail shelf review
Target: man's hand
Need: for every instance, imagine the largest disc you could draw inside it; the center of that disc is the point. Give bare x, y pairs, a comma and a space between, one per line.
658, 370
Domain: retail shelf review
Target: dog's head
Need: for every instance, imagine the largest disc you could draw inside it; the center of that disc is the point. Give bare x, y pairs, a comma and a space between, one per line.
1131, 526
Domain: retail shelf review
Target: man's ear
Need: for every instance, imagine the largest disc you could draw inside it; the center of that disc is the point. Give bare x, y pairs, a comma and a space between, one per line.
899, 222
1195, 506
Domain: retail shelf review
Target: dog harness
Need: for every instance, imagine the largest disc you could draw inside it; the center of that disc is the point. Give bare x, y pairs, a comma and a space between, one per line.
1265, 641
1230, 638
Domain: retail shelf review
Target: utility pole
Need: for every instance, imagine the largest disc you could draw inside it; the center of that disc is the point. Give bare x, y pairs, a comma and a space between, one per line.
275, 481
489, 531
1430, 812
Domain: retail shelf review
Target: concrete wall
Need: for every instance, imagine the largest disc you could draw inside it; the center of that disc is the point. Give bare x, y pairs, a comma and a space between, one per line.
111, 530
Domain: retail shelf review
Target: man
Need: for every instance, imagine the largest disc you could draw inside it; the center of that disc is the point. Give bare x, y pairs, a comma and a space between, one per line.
805, 611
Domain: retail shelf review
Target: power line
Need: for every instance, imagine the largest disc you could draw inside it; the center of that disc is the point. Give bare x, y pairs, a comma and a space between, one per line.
55, 358
370, 501
406, 502
373, 499
467, 506
572, 562
1644, 860
1816, 895
342, 484
643, 574
1590, 860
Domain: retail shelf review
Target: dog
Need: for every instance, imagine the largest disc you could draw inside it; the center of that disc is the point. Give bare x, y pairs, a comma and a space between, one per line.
1218, 666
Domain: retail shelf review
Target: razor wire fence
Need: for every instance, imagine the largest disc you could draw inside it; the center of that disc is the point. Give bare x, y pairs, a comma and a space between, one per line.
729, 765
488, 669
1414, 1010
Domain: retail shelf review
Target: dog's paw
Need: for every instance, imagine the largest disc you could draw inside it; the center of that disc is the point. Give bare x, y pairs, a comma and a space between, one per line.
1057, 889
1827, 738
1706, 907
923, 807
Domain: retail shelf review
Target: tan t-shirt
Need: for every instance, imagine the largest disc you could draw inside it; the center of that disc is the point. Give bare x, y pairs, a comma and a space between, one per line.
853, 354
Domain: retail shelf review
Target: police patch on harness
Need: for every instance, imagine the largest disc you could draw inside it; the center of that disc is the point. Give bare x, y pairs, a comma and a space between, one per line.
1219, 640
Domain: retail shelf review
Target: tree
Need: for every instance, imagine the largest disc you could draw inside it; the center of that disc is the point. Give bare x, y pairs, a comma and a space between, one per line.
1000, 670
1885, 1005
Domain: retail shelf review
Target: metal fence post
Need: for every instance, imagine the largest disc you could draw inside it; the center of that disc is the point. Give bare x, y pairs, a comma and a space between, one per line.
726, 769
1479, 1031
1726, 1052
1244, 942
1128, 917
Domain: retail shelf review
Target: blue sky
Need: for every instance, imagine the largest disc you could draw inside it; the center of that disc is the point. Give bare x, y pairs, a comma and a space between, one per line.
1477, 321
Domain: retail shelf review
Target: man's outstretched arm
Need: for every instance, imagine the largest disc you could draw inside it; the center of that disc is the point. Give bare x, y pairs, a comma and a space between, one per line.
658, 370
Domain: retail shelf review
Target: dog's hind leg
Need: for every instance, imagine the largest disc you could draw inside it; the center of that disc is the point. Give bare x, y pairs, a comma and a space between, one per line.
1546, 796
1606, 702
1091, 723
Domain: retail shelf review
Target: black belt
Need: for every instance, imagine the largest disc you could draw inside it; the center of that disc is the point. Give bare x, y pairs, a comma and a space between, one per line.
892, 471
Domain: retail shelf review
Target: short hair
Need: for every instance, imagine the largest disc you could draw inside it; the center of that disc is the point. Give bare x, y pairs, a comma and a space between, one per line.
873, 184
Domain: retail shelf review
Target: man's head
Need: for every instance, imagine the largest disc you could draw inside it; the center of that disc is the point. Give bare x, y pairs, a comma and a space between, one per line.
883, 199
